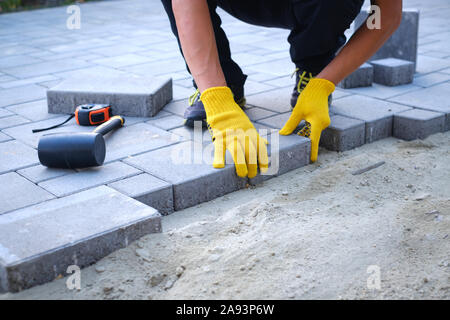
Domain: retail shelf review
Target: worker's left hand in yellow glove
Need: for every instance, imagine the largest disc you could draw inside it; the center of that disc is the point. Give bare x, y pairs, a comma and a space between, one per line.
312, 106
232, 130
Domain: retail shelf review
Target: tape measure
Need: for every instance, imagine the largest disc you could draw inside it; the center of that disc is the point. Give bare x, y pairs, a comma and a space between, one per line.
92, 114
86, 115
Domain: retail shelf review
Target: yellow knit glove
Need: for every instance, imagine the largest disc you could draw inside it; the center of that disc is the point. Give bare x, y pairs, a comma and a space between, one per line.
312, 106
232, 130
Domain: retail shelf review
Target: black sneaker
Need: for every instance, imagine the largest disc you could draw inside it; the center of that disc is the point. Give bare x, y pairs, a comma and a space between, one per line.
302, 79
196, 111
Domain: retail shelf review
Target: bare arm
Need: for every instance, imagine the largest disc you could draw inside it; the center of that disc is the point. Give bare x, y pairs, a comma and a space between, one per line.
198, 42
364, 43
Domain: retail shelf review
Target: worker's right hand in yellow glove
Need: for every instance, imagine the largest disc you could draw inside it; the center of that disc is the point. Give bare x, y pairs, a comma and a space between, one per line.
232, 130
312, 106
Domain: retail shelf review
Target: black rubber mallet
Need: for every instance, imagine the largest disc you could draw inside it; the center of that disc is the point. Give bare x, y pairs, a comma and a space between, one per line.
76, 150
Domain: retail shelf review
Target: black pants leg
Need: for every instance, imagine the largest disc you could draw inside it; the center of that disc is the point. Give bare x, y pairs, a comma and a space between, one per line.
234, 76
317, 28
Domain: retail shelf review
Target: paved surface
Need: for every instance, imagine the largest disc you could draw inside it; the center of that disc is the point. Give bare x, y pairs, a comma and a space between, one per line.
37, 52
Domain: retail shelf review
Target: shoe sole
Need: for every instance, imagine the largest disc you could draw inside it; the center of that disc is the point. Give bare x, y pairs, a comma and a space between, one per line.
191, 121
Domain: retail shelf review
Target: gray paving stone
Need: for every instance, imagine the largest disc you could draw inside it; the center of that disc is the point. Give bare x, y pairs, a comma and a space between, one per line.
17, 60
177, 107
88, 178
434, 99
17, 192
193, 180
383, 92
41, 173
403, 43
361, 77
280, 67
122, 60
15, 155
40, 242
255, 113
5, 113
23, 82
392, 72
149, 190
48, 67
168, 123
35, 110
427, 64
417, 124
286, 153
12, 121
343, 134
4, 137
130, 95
431, 79
377, 114
277, 100
21, 94
136, 139
278, 121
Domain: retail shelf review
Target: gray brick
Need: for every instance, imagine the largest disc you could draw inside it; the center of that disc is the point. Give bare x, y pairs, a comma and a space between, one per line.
17, 60
431, 79
23, 82
15, 155
403, 43
36, 110
256, 113
21, 94
88, 178
392, 72
343, 134
280, 67
12, 121
149, 190
5, 113
17, 192
286, 153
177, 107
361, 77
167, 123
40, 173
135, 139
275, 100
4, 137
24, 134
418, 124
130, 95
278, 121
48, 67
41, 241
434, 99
193, 181
187, 133
122, 60
377, 114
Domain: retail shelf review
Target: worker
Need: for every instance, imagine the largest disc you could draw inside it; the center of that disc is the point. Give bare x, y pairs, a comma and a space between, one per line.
318, 49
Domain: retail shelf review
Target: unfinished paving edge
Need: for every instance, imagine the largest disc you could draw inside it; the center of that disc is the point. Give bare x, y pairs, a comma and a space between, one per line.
88, 235
343, 134
418, 124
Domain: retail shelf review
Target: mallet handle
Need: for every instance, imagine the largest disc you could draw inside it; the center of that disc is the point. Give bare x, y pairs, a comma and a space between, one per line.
114, 123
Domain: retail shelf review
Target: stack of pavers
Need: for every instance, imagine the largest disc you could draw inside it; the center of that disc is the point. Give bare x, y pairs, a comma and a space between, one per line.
52, 219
